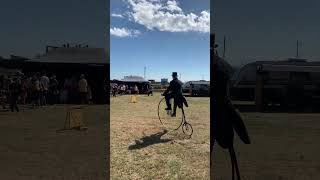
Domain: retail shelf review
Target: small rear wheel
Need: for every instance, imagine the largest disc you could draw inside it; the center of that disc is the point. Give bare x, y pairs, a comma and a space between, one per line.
187, 129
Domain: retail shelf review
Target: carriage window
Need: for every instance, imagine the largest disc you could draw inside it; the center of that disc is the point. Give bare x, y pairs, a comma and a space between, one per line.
279, 75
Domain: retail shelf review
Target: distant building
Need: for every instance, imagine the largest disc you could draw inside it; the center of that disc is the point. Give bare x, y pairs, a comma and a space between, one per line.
132, 81
164, 81
65, 61
9, 67
152, 81
8, 71
15, 62
74, 55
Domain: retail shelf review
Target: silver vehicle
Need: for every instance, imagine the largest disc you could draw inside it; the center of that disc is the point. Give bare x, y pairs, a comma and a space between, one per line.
196, 88
280, 79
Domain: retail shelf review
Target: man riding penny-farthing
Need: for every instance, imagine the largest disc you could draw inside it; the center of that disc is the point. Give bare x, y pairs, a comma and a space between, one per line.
173, 119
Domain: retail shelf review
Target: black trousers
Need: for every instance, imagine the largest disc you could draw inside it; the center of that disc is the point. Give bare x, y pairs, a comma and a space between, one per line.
14, 103
84, 98
167, 98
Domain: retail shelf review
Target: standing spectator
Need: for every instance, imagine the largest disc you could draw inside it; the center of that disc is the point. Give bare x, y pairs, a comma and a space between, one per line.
119, 89
114, 90
67, 88
74, 96
2, 91
127, 89
24, 90
150, 90
64, 95
136, 90
14, 89
54, 91
130, 89
83, 89
123, 89
29, 90
44, 84
89, 95
35, 91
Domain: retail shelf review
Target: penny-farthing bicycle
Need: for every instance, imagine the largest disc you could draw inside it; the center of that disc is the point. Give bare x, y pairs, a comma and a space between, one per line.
173, 123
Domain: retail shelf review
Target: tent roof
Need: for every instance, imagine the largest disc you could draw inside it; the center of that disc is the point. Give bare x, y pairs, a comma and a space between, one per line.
200, 82
74, 55
133, 79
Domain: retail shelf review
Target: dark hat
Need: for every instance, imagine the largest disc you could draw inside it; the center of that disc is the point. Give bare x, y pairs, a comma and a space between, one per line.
174, 74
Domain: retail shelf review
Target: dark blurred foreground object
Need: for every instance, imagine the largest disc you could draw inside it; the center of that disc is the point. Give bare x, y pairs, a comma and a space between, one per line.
225, 119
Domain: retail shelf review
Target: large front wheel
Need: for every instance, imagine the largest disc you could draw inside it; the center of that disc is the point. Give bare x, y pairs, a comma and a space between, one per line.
170, 123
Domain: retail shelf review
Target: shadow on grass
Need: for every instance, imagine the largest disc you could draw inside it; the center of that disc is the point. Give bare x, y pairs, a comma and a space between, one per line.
150, 140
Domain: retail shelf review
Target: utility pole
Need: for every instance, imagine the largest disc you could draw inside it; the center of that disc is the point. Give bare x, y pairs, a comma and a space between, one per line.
145, 69
298, 43
297, 48
224, 47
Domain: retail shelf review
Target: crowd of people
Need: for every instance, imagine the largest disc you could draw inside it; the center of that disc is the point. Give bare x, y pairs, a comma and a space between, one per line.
39, 89
121, 89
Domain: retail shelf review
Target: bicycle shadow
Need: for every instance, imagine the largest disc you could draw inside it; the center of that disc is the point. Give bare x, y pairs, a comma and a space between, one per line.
149, 140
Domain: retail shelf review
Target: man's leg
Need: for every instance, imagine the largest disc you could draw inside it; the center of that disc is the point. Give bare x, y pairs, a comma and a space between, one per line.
82, 98
86, 98
11, 103
174, 109
167, 98
45, 97
16, 103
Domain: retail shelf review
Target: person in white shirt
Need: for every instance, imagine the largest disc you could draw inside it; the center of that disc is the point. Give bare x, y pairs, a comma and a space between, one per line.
44, 84
35, 91
83, 89
136, 90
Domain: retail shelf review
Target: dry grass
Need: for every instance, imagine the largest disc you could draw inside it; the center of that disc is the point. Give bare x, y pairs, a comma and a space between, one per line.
170, 156
284, 147
31, 148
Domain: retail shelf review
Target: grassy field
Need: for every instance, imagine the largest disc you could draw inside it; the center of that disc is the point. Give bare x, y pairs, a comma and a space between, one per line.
140, 149
284, 147
31, 149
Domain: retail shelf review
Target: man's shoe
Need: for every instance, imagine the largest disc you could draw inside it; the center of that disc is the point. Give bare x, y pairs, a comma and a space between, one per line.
173, 115
168, 108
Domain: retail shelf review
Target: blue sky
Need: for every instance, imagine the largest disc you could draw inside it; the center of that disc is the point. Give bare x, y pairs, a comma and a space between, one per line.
164, 36
264, 30
28, 26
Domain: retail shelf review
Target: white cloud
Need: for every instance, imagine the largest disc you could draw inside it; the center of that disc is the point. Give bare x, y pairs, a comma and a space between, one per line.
117, 15
124, 32
173, 6
154, 14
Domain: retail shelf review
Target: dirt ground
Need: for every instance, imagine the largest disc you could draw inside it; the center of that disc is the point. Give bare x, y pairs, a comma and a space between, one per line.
140, 148
284, 147
30, 147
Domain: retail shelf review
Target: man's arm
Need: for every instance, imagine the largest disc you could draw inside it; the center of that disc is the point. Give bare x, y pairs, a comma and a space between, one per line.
169, 88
